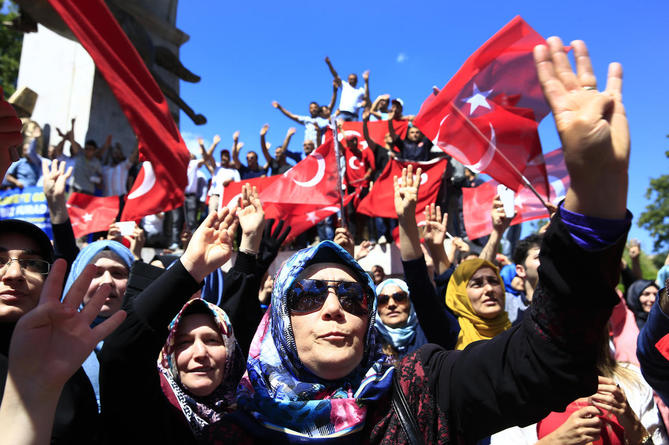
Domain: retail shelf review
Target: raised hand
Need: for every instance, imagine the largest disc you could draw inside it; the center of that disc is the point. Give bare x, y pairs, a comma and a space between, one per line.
365, 75
235, 136
592, 126
406, 192
271, 242
114, 232
250, 213
499, 220
200, 142
344, 238
291, 131
217, 139
51, 342
263, 130
137, 241
365, 247
55, 179
434, 232
275, 104
211, 244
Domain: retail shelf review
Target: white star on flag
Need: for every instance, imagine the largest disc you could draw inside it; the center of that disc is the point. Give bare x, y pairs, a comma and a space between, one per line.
312, 218
477, 99
87, 217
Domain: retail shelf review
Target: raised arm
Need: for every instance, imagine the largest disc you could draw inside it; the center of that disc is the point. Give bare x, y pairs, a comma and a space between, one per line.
263, 144
331, 68
365, 77
434, 234
48, 345
333, 99
406, 196
287, 113
103, 151
235, 150
289, 134
499, 224
365, 132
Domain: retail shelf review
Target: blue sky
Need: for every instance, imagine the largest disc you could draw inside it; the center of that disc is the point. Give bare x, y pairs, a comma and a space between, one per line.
250, 53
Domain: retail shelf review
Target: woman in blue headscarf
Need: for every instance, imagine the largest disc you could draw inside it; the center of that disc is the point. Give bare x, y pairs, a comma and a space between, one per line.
396, 321
113, 261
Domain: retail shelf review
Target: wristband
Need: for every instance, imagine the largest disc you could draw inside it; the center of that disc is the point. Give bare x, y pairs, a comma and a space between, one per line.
247, 251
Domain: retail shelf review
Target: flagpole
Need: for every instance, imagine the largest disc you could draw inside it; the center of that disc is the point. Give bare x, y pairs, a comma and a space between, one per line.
503, 156
340, 182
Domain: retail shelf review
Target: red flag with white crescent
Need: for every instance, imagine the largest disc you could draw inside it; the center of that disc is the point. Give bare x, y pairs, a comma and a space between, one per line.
487, 115
90, 214
233, 191
380, 201
149, 196
477, 201
313, 180
140, 98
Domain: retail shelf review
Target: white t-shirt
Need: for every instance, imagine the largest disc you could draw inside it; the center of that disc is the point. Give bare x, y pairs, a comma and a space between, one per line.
153, 224
114, 179
191, 173
220, 176
351, 98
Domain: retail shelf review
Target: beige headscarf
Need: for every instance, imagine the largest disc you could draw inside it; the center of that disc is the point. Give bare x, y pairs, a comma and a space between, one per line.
472, 326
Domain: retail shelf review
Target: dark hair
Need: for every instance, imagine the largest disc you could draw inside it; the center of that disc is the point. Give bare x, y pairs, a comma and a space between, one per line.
520, 251
314, 102
227, 152
91, 142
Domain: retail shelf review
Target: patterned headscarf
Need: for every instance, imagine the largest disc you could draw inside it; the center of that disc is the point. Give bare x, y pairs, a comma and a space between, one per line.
400, 338
281, 393
202, 411
472, 326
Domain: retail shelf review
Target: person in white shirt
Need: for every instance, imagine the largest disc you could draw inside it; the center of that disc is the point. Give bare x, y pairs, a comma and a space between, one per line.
352, 98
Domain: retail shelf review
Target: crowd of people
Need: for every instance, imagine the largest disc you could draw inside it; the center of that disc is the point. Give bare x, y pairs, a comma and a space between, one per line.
98, 346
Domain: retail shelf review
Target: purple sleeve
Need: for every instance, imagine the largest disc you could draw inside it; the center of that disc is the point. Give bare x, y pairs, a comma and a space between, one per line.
592, 233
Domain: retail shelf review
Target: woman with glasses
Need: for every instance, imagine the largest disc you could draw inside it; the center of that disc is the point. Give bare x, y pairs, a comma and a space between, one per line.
396, 320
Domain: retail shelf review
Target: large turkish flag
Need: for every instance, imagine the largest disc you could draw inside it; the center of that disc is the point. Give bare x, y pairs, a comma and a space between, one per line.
486, 116
90, 214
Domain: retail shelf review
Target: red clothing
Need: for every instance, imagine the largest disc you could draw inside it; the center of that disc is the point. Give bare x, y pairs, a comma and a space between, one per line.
357, 166
612, 433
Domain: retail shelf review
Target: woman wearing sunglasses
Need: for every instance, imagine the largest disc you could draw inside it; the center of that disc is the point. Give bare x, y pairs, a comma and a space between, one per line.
315, 372
396, 320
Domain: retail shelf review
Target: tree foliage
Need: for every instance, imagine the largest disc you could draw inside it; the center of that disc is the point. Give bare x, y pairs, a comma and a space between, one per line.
655, 219
10, 42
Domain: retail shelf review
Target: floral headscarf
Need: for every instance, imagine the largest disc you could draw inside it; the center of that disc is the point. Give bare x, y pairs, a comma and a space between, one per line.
202, 411
472, 326
281, 393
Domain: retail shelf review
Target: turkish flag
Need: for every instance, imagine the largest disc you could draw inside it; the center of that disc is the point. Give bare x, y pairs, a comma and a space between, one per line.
233, 191
358, 163
477, 201
377, 131
149, 196
487, 115
311, 181
380, 201
90, 214
138, 95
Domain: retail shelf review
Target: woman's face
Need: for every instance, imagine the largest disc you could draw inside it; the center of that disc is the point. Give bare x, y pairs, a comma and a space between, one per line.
330, 341
200, 354
485, 293
647, 298
394, 313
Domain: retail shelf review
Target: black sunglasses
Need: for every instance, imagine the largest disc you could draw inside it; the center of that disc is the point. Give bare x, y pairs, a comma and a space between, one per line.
310, 295
398, 297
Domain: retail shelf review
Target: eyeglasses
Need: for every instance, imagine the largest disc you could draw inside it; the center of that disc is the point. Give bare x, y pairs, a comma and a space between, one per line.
398, 297
310, 295
29, 265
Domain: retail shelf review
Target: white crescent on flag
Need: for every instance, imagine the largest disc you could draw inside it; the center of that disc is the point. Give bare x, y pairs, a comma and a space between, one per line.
148, 181
319, 173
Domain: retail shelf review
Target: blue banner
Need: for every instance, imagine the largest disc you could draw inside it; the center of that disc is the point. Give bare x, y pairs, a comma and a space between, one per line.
27, 204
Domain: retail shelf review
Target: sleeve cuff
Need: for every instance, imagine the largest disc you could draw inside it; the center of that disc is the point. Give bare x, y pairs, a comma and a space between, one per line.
592, 233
